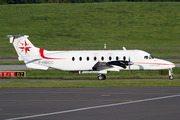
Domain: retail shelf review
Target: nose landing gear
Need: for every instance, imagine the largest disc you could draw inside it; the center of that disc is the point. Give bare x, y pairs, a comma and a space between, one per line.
171, 74
101, 77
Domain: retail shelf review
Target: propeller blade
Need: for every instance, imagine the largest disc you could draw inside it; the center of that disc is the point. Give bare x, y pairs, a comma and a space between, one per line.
129, 64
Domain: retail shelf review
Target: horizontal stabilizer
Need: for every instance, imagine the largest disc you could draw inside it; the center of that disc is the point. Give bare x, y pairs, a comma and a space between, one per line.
36, 66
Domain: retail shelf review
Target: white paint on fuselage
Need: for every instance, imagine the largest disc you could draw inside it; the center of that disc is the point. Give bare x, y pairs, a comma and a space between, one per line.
36, 58
136, 56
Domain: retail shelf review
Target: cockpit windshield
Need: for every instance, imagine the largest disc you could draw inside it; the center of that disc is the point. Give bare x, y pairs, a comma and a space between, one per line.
151, 57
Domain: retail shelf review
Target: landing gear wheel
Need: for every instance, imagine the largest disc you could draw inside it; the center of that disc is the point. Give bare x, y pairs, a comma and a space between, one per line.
101, 77
171, 77
104, 77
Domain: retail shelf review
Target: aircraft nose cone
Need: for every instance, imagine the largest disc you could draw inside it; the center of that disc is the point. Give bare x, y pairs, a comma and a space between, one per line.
171, 65
166, 64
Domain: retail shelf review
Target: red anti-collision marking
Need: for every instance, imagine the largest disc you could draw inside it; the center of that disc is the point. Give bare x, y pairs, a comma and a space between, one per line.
41, 51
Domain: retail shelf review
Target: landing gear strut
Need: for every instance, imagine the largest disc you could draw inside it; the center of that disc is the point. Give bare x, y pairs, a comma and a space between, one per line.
101, 77
171, 74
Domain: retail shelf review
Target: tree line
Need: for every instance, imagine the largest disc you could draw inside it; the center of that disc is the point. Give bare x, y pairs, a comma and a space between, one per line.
76, 1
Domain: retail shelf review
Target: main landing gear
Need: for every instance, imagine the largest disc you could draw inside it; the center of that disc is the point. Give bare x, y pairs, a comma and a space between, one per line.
101, 77
171, 74
171, 77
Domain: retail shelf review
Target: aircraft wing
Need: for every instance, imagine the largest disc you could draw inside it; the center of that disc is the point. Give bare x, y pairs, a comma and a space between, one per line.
110, 65
101, 66
122, 64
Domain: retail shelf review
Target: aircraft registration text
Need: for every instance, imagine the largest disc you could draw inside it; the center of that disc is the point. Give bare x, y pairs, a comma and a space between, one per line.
45, 62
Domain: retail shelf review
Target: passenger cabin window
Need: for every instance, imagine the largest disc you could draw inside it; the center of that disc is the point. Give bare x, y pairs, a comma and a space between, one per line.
87, 58
80, 58
102, 58
124, 58
95, 58
145, 57
73, 58
110, 58
117, 58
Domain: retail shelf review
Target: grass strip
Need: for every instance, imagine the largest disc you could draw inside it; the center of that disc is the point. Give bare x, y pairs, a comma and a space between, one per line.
176, 61
94, 76
150, 26
90, 84
57, 74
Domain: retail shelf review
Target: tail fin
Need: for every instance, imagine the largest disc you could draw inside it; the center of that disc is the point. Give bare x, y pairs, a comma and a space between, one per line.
23, 46
26, 51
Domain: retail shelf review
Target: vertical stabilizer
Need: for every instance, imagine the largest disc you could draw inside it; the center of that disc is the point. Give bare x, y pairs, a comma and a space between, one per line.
26, 51
23, 46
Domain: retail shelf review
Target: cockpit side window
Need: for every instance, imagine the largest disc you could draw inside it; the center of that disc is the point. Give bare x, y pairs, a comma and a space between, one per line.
145, 57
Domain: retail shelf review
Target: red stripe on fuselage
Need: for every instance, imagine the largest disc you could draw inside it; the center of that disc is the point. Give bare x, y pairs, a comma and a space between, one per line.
154, 63
41, 51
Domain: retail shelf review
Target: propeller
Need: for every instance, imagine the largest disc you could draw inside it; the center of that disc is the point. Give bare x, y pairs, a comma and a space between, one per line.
122, 63
129, 64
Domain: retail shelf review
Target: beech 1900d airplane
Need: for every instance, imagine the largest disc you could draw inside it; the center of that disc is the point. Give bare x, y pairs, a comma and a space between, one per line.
87, 61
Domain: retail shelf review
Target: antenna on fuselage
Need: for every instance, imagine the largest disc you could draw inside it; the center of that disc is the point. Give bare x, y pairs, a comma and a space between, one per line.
124, 48
104, 45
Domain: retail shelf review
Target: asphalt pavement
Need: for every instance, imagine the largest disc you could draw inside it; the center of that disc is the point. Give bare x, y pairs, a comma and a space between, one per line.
9, 59
90, 103
13, 67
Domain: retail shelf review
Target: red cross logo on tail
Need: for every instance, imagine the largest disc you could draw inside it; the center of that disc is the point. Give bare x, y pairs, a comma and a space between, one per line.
25, 47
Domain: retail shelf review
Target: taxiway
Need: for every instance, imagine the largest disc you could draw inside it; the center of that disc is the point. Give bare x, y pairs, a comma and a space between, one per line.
90, 104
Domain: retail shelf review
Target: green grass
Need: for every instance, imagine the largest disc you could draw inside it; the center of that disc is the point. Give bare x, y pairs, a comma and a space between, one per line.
56, 74
176, 61
87, 84
153, 27
52, 75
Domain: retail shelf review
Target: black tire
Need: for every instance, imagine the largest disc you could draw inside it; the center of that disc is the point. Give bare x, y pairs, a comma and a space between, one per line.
171, 77
100, 77
104, 77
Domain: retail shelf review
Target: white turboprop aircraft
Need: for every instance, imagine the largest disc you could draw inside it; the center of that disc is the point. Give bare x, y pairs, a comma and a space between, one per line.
87, 61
